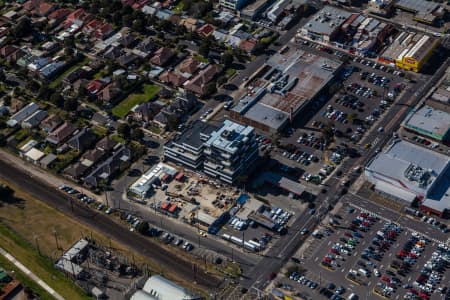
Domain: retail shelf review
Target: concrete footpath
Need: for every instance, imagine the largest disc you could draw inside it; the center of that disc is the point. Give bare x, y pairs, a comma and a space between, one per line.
30, 274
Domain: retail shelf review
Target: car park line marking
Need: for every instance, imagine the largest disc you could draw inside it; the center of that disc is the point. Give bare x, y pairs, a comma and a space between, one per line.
343, 270
316, 259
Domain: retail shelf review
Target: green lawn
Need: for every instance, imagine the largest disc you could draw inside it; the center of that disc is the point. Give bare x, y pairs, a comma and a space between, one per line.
179, 8
201, 59
118, 138
58, 79
147, 92
100, 131
230, 72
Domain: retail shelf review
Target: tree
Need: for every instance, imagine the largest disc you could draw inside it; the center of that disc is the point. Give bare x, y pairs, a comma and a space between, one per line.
205, 47
57, 99
33, 86
139, 25
7, 100
5, 191
2, 140
143, 227
23, 28
71, 104
210, 88
221, 80
227, 59
137, 134
124, 130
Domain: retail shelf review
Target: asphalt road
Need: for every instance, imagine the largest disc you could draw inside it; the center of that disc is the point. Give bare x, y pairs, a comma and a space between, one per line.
105, 225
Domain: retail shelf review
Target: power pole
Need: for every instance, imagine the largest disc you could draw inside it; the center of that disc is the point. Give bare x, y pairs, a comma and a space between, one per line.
56, 238
36, 240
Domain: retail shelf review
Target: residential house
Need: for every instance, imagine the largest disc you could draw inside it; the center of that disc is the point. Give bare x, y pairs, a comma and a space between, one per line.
34, 120
74, 76
198, 84
7, 50
127, 41
189, 23
106, 144
52, 69
181, 106
22, 114
61, 133
39, 7
172, 78
50, 123
77, 17
103, 31
189, 66
162, 56
84, 139
127, 60
48, 160
206, 30
59, 15
145, 48
113, 52
3, 31
75, 171
91, 157
145, 112
149, 10
248, 46
110, 93
34, 155
107, 169
164, 14
97, 85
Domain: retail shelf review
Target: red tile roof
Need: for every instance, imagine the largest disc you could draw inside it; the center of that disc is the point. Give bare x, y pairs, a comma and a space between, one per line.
247, 46
60, 13
206, 30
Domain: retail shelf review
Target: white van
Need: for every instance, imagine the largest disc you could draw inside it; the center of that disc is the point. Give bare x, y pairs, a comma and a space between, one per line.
363, 272
353, 296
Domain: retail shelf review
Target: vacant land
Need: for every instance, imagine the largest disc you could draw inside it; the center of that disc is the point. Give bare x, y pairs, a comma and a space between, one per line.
146, 93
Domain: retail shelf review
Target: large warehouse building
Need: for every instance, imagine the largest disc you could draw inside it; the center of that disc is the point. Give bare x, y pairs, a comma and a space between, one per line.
410, 51
409, 172
429, 122
293, 77
160, 288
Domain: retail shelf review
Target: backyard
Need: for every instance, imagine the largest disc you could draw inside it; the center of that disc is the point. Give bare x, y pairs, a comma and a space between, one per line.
146, 93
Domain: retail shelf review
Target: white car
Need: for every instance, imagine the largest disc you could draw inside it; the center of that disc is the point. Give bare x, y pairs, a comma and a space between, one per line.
376, 272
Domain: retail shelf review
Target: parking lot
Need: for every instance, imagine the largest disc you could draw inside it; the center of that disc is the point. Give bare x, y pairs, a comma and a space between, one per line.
370, 257
338, 122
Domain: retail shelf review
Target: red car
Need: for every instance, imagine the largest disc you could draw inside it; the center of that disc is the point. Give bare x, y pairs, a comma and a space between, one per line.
348, 234
385, 278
